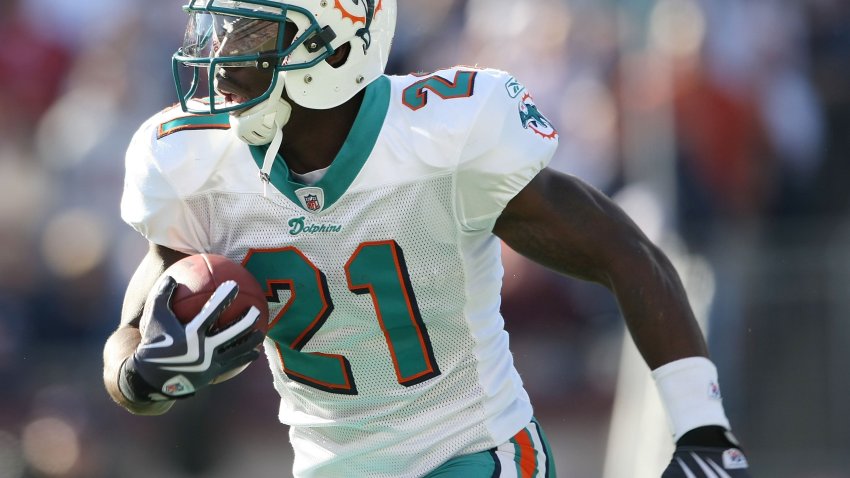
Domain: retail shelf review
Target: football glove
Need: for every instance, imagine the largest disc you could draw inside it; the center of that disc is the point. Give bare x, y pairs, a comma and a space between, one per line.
175, 360
707, 452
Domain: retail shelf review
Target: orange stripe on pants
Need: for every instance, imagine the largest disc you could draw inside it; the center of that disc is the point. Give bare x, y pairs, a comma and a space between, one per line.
527, 459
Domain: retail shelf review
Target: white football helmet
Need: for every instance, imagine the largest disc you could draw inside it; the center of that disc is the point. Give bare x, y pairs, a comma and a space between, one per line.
252, 33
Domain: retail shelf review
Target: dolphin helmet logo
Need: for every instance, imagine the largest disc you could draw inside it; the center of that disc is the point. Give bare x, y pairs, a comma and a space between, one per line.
370, 10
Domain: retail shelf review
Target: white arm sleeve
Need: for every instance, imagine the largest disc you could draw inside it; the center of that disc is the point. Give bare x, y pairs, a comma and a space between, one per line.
508, 145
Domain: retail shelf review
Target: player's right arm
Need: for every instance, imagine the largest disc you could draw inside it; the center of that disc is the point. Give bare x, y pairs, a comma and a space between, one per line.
153, 357
126, 338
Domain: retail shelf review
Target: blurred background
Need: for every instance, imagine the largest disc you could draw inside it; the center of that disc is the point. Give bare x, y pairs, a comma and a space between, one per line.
721, 126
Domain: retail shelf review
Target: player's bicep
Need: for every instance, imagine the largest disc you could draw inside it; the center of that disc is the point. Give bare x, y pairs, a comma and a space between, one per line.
568, 226
157, 259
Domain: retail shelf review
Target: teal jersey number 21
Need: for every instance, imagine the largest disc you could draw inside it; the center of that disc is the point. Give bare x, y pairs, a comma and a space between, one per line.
375, 268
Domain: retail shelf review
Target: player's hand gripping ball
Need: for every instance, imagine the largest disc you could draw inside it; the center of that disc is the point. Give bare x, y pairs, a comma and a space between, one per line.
202, 323
198, 276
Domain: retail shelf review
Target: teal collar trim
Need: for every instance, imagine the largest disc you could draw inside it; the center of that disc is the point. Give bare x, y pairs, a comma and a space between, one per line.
352, 156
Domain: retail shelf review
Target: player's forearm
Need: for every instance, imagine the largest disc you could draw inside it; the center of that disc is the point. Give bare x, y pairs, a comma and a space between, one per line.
656, 308
118, 348
572, 228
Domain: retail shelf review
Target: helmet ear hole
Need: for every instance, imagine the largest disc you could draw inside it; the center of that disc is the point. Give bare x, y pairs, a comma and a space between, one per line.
340, 56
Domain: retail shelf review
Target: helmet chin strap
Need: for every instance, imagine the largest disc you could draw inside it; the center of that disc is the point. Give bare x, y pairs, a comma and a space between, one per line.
268, 160
263, 124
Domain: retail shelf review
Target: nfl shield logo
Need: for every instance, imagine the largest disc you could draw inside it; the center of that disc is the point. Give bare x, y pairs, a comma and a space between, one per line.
733, 459
312, 199
312, 202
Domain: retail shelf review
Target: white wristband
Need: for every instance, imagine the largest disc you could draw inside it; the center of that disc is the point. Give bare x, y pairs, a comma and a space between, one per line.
690, 394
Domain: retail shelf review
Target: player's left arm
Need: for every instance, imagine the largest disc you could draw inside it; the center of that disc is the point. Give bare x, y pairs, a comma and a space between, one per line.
566, 225
560, 222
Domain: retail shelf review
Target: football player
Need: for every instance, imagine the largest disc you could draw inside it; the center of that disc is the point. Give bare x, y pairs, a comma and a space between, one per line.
372, 208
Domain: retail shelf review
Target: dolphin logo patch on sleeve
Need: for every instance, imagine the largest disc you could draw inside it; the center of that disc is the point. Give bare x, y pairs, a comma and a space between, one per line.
532, 119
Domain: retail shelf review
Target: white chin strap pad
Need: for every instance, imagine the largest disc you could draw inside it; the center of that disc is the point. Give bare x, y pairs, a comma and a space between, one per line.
258, 125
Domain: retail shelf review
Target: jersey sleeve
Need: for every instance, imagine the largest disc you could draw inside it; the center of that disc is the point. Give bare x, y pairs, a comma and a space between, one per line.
508, 144
152, 203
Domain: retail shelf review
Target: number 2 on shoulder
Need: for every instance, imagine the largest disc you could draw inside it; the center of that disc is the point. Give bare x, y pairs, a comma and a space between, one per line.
375, 268
415, 96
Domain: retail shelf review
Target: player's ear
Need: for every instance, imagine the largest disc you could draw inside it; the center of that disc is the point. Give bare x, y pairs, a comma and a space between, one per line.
340, 56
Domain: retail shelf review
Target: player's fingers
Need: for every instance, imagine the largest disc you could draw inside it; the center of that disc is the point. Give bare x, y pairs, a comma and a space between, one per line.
158, 319
248, 341
247, 346
240, 360
238, 328
164, 290
215, 305
217, 358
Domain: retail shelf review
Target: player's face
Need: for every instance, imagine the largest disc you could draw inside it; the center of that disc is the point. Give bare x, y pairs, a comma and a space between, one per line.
240, 83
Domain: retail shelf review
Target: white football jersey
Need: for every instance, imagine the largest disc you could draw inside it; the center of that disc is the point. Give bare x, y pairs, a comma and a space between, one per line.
386, 344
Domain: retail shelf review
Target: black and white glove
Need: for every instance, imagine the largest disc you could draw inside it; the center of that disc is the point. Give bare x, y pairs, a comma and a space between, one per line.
175, 360
707, 452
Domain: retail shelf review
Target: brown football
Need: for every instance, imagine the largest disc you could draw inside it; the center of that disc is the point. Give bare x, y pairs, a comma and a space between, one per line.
197, 278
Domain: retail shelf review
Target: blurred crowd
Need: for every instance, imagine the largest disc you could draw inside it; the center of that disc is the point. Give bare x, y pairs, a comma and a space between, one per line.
722, 126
